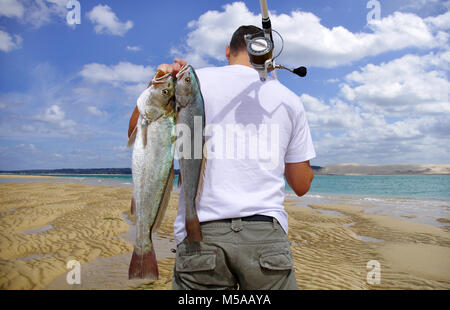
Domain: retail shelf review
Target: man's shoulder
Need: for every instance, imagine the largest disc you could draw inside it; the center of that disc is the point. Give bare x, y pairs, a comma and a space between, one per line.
208, 73
283, 89
206, 70
278, 92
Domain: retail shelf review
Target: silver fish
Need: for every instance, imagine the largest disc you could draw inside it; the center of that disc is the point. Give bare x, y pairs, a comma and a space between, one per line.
191, 115
152, 170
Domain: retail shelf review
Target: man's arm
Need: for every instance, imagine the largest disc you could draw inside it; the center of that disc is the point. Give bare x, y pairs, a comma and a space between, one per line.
299, 176
133, 121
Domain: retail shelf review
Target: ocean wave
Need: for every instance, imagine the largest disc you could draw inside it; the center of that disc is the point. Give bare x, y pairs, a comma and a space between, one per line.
372, 199
313, 196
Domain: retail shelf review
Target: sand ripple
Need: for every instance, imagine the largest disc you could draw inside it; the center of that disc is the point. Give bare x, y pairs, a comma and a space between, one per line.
44, 225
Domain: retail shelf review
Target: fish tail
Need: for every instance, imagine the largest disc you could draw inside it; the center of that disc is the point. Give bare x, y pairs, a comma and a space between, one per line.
193, 229
133, 207
143, 265
192, 224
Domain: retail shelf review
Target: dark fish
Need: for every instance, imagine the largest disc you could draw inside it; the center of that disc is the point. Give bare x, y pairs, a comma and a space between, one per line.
191, 121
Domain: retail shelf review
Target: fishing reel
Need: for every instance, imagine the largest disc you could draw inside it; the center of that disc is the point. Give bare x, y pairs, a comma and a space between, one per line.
260, 48
260, 51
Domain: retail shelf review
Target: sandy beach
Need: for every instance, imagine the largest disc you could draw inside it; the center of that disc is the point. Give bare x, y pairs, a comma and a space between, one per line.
43, 225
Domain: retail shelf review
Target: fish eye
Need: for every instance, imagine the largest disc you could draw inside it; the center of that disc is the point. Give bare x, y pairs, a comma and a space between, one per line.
165, 91
187, 80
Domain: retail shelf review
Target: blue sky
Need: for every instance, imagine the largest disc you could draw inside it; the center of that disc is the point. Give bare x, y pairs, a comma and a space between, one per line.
377, 91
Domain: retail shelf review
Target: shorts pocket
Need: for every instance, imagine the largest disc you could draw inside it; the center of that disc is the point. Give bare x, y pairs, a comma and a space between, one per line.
276, 259
198, 261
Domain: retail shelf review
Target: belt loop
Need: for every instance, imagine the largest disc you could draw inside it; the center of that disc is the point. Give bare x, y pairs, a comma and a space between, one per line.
274, 222
236, 224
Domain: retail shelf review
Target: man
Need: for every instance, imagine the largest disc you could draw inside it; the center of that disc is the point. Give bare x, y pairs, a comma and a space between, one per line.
240, 208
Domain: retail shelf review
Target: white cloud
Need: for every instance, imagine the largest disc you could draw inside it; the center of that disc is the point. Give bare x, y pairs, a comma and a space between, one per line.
106, 21
439, 22
346, 133
55, 116
414, 140
130, 77
95, 111
11, 8
136, 89
303, 31
335, 115
133, 48
8, 42
41, 12
212, 32
396, 112
408, 85
34, 12
423, 6
122, 72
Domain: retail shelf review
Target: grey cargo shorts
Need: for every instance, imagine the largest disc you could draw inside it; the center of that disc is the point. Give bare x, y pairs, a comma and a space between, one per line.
236, 254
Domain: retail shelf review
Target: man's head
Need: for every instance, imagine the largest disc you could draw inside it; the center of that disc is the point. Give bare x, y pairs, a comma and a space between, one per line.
236, 52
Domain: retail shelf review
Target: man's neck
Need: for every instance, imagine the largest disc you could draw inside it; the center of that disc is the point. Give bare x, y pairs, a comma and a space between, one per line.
240, 59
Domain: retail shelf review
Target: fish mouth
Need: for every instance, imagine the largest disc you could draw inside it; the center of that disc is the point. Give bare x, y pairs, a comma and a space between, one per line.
160, 77
182, 71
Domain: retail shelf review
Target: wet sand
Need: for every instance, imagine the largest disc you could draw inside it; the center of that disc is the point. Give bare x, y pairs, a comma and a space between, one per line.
44, 225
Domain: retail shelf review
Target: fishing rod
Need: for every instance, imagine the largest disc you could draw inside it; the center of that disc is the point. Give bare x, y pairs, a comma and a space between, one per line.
260, 48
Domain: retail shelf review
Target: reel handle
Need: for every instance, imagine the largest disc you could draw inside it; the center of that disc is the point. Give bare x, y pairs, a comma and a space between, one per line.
300, 71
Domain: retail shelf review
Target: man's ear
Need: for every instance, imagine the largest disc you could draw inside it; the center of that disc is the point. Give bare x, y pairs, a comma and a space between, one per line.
227, 52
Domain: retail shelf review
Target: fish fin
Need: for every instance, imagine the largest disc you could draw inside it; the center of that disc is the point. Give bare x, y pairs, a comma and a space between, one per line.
144, 135
165, 200
132, 137
133, 207
143, 266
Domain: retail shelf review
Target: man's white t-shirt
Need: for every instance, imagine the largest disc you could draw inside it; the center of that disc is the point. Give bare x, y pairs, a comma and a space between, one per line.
252, 129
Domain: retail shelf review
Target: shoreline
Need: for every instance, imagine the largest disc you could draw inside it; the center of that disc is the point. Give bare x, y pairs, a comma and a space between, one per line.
24, 176
43, 225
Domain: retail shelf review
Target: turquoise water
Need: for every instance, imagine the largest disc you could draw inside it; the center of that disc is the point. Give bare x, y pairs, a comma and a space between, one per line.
387, 186
431, 186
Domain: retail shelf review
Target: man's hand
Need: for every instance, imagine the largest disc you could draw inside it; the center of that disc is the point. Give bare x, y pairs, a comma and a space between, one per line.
299, 176
172, 68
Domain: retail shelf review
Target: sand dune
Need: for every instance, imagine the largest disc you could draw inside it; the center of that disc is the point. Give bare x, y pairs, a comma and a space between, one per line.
44, 225
357, 169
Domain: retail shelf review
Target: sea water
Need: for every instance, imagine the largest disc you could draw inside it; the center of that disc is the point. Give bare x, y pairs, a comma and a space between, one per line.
432, 186
422, 199
424, 186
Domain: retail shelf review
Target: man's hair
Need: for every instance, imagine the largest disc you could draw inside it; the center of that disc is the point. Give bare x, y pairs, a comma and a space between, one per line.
237, 43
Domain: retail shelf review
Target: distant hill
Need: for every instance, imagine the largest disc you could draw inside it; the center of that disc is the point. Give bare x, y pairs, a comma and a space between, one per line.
357, 169
72, 171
